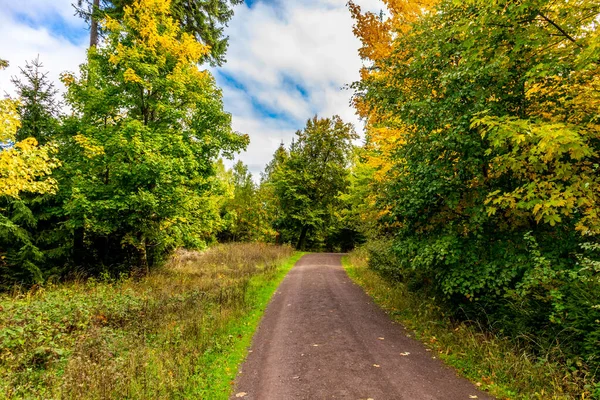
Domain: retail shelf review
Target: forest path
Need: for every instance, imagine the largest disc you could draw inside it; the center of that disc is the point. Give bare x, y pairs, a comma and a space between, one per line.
322, 337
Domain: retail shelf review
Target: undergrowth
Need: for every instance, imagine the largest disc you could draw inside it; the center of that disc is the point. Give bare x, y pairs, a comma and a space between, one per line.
496, 364
178, 333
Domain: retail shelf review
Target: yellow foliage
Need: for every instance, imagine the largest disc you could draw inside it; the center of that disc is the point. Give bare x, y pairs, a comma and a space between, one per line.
376, 32
159, 37
90, 149
9, 119
22, 166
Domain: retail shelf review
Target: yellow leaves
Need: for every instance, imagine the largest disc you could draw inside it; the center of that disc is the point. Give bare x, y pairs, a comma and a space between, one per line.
111, 24
554, 163
90, 149
9, 119
131, 76
67, 79
22, 166
155, 41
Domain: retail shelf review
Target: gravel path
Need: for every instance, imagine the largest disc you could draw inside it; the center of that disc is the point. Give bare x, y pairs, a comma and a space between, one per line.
322, 337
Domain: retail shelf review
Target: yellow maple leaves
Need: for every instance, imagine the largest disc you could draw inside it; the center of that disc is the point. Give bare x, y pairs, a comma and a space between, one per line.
9, 119
158, 35
377, 32
22, 164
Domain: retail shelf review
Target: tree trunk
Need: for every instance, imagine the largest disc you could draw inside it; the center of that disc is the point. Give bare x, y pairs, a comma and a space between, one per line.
142, 261
94, 24
302, 238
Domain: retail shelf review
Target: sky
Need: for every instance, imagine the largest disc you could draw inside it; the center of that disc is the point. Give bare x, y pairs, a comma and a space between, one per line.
288, 60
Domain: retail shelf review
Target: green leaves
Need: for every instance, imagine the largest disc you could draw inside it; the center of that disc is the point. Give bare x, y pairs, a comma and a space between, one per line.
308, 179
141, 177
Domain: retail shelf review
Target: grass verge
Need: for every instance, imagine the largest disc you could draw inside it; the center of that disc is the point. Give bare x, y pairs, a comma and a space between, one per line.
179, 333
493, 363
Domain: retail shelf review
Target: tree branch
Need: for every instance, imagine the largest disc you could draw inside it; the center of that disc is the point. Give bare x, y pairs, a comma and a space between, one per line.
561, 30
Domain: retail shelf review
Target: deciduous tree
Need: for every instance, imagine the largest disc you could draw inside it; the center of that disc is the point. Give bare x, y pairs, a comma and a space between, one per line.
149, 128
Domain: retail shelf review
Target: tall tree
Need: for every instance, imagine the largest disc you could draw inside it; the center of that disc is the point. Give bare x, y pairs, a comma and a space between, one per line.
148, 128
38, 108
309, 181
203, 19
25, 169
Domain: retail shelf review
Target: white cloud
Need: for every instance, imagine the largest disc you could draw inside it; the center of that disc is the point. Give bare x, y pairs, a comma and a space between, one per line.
22, 42
277, 45
39, 10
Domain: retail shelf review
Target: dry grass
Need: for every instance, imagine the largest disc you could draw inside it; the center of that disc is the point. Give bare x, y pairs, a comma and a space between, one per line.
164, 336
494, 363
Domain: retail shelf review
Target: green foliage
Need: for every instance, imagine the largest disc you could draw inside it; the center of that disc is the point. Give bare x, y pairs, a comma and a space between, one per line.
168, 335
36, 112
499, 364
247, 216
38, 109
494, 184
308, 180
139, 176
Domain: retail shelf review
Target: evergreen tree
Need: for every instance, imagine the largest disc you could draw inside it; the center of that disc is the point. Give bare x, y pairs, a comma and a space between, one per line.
203, 19
38, 109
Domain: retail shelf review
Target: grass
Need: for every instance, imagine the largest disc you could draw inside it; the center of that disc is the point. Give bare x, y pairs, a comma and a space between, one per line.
495, 364
181, 332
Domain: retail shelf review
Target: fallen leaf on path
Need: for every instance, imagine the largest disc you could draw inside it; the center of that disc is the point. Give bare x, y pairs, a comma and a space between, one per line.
315, 345
376, 365
473, 396
381, 338
241, 394
405, 354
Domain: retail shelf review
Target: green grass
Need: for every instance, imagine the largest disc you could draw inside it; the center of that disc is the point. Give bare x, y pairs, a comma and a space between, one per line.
179, 333
222, 365
493, 363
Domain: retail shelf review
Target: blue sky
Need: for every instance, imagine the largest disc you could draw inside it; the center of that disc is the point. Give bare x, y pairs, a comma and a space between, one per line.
287, 61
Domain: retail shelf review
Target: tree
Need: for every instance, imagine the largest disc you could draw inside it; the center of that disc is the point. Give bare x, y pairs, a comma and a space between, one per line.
309, 181
25, 168
203, 19
24, 165
247, 210
148, 129
38, 109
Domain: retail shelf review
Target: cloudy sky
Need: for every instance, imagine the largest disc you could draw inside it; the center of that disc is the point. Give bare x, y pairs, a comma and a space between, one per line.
287, 61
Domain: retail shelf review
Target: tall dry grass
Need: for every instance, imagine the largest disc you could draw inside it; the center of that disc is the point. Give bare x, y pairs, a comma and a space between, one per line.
155, 338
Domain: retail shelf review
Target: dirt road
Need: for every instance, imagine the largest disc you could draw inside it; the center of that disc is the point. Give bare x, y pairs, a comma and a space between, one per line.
323, 338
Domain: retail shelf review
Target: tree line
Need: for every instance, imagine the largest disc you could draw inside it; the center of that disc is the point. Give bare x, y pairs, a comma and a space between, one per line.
482, 163
128, 166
